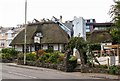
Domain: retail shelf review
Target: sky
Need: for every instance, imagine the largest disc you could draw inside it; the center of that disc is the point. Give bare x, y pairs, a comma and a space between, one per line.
12, 11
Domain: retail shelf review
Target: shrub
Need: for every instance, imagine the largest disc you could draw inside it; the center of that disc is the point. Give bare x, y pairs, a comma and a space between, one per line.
113, 69
72, 63
53, 57
72, 58
30, 57
20, 56
13, 53
34, 53
46, 57
101, 66
6, 56
60, 58
41, 52
49, 50
95, 47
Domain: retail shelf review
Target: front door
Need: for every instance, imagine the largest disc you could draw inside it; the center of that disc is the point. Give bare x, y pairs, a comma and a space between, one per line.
37, 47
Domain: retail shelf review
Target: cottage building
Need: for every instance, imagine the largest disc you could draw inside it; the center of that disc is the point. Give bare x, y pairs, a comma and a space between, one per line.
41, 35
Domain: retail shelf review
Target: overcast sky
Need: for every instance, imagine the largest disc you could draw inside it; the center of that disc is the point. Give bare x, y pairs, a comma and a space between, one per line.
12, 11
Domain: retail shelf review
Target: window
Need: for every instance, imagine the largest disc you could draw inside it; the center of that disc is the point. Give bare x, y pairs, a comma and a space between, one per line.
88, 20
39, 34
87, 27
50, 46
2, 43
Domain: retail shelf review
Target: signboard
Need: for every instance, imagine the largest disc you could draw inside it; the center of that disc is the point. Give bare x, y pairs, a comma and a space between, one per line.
36, 39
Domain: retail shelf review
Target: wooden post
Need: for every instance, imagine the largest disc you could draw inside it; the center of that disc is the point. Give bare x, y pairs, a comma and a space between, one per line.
92, 62
108, 63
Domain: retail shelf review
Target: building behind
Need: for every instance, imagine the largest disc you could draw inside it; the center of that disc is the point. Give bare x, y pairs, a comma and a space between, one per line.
7, 34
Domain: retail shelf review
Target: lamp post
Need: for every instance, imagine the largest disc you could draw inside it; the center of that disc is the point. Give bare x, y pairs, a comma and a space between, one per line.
25, 32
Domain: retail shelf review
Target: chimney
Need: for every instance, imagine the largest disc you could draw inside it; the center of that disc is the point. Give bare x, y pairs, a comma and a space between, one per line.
60, 19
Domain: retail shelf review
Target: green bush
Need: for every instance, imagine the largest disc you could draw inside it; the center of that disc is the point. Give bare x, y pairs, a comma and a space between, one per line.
113, 69
6, 56
45, 58
53, 58
101, 66
41, 52
30, 57
10, 52
72, 63
95, 46
60, 58
72, 58
50, 50
20, 56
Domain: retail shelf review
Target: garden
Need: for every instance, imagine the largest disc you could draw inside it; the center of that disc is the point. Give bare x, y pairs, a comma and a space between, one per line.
42, 58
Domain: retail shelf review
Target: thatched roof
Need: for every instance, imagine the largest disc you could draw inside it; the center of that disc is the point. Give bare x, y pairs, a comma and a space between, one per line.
51, 32
100, 37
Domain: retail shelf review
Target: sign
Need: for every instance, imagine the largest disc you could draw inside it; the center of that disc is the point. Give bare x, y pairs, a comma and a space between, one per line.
36, 39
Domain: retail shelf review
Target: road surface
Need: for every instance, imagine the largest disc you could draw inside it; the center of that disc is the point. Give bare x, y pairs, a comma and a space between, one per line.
12, 72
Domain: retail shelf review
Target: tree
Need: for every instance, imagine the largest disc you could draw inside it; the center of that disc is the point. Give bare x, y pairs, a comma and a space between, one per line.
85, 49
115, 14
81, 45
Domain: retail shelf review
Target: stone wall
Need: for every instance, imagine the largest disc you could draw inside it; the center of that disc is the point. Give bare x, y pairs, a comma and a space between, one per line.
60, 67
87, 69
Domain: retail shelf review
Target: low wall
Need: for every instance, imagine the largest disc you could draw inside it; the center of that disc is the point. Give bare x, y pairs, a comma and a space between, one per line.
87, 69
61, 67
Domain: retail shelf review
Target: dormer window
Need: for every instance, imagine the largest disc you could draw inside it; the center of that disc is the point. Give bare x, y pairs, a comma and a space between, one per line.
37, 37
39, 34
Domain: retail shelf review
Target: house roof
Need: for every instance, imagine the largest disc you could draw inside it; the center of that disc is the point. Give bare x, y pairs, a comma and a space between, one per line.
100, 36
106, 24
51, 32
69, 25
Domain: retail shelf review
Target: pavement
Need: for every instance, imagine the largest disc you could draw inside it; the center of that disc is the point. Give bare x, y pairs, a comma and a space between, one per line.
91, 75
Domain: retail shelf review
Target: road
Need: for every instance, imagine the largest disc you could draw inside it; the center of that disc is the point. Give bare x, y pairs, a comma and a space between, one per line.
12, 72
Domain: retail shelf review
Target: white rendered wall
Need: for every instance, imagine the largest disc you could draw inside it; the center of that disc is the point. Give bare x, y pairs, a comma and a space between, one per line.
19, 48
79, 27
32, 48
45, 46
55, 46
61, 47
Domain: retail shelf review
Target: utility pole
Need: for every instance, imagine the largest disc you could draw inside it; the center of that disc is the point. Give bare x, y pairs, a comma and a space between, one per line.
25, 31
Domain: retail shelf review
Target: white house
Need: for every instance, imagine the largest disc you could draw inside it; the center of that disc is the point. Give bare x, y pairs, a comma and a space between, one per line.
79, 27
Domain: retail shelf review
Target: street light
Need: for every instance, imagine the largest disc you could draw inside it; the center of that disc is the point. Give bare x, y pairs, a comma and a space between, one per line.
25, 32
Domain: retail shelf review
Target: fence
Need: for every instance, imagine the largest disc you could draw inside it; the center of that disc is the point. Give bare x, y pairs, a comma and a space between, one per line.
108, 60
